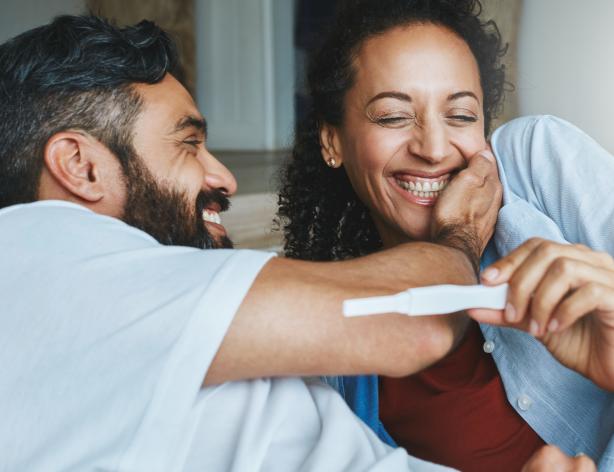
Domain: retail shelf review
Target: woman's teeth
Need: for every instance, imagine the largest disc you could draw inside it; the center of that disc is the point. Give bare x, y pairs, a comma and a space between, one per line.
423, 189
212, 217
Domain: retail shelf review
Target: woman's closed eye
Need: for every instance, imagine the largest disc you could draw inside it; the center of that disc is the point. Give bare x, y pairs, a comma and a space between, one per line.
393, 121
460, 117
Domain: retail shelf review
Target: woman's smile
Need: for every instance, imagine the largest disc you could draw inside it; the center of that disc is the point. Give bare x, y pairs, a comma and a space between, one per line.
420, 190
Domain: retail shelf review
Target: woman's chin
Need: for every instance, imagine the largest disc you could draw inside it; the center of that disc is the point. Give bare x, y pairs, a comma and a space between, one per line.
401, 235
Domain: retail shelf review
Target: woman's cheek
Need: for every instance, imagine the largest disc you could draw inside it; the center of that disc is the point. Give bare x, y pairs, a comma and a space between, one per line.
470, 145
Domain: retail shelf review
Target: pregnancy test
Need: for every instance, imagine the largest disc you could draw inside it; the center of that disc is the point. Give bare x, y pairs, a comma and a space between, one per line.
431, 300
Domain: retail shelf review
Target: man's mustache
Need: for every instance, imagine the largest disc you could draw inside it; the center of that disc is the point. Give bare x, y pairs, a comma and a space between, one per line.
205, 199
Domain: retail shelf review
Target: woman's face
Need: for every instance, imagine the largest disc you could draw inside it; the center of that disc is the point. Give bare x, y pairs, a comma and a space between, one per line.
412, 120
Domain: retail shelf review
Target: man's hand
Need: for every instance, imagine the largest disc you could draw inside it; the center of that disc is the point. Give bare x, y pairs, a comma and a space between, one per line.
465, 215
564, 295
550, 458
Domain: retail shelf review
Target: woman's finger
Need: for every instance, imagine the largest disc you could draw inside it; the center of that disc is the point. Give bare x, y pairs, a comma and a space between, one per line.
587, 299
528, 274
563, 276
549, 458
502, 270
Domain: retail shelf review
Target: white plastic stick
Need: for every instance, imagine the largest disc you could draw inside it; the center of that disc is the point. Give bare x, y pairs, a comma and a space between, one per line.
431, 300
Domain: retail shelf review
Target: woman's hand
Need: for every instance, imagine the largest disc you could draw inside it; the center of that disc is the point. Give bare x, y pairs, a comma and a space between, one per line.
564, 295
550, 458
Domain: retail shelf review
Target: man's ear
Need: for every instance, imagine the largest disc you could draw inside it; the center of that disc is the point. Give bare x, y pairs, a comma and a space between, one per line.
330, 145
73, 159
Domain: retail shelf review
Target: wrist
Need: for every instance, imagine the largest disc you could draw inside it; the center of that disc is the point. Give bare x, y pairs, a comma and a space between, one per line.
462, 238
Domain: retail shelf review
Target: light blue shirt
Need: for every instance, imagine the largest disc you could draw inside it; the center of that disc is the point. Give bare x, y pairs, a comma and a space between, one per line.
557, 184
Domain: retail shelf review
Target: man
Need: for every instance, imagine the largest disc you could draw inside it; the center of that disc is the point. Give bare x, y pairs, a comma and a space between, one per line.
120, 353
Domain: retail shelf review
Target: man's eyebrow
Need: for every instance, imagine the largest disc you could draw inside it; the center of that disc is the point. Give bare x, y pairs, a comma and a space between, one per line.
398, 95
464, 93
196, 122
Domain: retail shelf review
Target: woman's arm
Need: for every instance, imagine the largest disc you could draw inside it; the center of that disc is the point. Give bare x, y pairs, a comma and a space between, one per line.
562, 173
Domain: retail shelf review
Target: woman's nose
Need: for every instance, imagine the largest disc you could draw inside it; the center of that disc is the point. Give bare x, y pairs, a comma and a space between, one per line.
429, 142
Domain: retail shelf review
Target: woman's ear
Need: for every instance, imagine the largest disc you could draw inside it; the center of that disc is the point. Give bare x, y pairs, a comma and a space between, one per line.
73, 160
330, 146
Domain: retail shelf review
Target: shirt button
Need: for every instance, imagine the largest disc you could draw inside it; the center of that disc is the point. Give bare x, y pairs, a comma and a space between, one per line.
489, 346
524, 402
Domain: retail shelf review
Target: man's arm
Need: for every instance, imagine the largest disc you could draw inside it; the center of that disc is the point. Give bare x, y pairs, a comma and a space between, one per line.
291, 322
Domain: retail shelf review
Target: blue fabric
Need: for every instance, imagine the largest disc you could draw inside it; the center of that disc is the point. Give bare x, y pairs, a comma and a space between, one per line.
556, 181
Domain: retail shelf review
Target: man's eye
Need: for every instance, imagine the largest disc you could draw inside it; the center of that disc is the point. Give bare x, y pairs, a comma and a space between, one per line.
463, 118
193, 142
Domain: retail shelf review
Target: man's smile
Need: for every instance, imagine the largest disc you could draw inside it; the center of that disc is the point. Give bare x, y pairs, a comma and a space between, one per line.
211, 216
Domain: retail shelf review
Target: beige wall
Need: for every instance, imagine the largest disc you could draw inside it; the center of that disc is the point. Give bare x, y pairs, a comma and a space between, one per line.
506, 13
176, 16
566, 63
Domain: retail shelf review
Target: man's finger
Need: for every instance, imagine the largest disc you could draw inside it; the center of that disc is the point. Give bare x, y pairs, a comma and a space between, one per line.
483, 165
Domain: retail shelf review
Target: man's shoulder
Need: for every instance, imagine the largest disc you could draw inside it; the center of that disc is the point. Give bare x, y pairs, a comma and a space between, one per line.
59, 222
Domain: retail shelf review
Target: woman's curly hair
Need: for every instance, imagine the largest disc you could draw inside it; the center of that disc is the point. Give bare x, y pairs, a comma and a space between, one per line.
321, 215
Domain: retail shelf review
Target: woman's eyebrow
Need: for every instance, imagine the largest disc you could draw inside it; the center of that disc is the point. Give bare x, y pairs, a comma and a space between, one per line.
398, 95
465, 93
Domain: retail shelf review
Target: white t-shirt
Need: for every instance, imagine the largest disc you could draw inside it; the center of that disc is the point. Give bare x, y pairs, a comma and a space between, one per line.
105, 339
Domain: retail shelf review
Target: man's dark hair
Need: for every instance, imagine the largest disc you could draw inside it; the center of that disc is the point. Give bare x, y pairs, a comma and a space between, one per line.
321, 215
75, 73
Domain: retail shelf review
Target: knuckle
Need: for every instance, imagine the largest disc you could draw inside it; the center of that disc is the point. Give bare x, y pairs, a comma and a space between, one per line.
549, 451
471, 178
547, 249
533, 243
593, 290
585, 463
563, 266
605, 258
516, 289
539, 305
583, 459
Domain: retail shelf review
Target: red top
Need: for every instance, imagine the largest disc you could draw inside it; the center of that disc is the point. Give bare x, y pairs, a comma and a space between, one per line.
456, 413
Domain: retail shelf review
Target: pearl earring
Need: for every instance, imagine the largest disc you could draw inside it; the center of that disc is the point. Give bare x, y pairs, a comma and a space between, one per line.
331, 162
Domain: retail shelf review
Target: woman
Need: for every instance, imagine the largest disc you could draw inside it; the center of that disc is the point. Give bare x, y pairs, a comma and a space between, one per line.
403, 96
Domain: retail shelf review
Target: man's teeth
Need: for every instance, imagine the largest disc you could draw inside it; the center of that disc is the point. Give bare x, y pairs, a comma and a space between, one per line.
423, 189
212, 217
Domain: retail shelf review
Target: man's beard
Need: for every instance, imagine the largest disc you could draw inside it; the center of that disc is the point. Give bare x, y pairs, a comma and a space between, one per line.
167, 214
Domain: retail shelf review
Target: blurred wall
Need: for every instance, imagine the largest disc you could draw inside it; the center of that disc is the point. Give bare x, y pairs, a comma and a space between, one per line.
175, 16
566, 63
506, 14
16, 16
245, 72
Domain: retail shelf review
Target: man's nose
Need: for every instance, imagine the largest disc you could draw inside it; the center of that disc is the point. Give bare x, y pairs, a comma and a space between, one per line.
218, 176
430, 142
